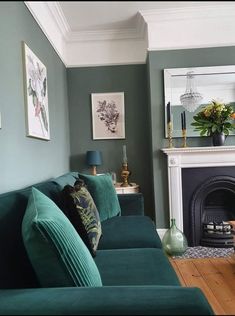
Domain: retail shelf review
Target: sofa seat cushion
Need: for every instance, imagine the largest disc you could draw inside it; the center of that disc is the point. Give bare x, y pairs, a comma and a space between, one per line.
106, 300
56, 251
135, 266
122, 232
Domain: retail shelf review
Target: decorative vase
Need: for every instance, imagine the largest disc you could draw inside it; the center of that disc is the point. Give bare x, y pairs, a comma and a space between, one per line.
218, 139
174, 241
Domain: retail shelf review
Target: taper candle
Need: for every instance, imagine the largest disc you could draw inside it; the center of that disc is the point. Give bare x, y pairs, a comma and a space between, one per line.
124, 154
168, 111
184, 120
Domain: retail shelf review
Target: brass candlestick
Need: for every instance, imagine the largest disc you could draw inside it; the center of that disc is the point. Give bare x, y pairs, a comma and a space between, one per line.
125, 173
169, 129
184, 137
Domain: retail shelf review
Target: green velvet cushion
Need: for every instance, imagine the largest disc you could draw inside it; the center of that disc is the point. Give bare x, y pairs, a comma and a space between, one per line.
132, 232
104, 194
137, 266
67, 178
56, 251
106, 300
79, 207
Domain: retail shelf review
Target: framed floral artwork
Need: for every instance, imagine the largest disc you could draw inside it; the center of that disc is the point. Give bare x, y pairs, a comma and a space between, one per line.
108, 115
36, 95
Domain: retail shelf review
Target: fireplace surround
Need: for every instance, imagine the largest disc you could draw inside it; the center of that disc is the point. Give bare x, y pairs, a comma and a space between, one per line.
201, 182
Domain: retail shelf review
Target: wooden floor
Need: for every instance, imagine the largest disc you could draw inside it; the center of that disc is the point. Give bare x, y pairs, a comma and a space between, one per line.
215, 277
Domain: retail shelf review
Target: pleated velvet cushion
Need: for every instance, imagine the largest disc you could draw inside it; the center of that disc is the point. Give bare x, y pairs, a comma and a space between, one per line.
104, 194
56, 251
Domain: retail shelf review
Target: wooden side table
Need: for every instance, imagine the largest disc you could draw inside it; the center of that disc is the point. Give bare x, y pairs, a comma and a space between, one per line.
133, 188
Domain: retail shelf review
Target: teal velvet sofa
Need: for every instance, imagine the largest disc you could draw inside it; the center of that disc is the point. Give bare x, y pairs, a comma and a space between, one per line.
137, 277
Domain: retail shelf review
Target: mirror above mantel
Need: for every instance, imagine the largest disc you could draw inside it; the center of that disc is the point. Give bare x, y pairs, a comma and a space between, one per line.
211, 83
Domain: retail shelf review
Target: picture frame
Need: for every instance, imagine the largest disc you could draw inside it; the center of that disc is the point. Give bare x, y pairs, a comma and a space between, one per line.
36, 95
108, 115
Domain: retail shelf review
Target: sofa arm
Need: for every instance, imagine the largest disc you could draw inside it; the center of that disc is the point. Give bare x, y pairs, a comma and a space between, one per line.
106, 300
131, 204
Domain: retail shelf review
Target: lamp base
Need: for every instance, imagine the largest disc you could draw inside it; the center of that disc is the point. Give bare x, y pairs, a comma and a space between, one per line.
93, 170
125, 173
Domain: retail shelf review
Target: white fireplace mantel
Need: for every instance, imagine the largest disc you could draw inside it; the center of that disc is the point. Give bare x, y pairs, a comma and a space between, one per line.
191, 157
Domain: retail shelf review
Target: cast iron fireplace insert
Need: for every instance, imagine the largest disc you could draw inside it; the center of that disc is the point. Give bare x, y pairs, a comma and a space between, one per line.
208, 205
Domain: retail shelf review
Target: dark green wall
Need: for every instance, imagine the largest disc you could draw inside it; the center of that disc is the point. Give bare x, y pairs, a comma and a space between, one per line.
157, 62
132, 80
25, 160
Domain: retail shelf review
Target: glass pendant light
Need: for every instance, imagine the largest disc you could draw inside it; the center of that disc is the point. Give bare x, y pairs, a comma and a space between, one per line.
191, 99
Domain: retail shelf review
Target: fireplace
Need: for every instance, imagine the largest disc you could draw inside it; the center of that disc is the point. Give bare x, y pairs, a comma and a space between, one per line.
208, 205
201, 183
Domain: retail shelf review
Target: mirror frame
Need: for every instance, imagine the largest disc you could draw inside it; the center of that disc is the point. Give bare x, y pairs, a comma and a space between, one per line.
173, 72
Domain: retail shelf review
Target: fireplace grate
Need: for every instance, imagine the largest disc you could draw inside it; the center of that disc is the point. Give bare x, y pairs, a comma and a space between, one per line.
217, 234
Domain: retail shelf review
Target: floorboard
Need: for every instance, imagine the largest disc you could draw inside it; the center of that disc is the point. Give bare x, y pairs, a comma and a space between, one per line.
214, 276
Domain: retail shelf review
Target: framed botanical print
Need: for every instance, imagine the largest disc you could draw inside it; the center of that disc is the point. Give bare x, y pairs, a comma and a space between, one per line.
36, 95
108, 115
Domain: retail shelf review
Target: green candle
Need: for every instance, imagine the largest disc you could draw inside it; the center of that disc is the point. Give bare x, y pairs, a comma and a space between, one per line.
168, 111
124, 154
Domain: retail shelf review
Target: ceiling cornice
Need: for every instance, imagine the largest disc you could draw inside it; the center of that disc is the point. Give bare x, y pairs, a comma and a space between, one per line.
58, 16
53, 23
104, 35
94, 35
193, 27
198, 12
162, 29
49, 25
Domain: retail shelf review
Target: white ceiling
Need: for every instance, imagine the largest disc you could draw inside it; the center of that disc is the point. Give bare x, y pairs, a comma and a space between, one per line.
93, 33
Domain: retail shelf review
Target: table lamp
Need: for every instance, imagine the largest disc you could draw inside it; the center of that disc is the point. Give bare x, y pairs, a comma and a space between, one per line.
93, 159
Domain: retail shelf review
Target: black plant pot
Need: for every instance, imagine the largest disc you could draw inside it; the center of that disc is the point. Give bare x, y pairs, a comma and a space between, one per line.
218, 139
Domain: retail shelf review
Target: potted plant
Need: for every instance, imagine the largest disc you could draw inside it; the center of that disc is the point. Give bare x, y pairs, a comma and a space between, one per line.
215, 120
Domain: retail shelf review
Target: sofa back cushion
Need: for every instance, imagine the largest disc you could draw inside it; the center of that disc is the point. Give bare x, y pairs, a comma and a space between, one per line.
104, 194
15, 268
67, 178
56, 251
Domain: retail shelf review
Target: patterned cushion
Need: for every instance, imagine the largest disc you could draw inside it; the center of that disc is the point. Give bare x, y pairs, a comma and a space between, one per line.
79, 207
56, 251
104, 194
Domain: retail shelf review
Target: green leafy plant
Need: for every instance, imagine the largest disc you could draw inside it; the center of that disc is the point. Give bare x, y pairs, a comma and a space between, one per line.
214, 118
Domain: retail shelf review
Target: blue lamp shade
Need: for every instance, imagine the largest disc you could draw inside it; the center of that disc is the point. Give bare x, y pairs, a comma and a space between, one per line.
93, 158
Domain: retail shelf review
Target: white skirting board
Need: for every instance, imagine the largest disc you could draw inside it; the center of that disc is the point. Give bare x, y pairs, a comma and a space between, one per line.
161, 232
